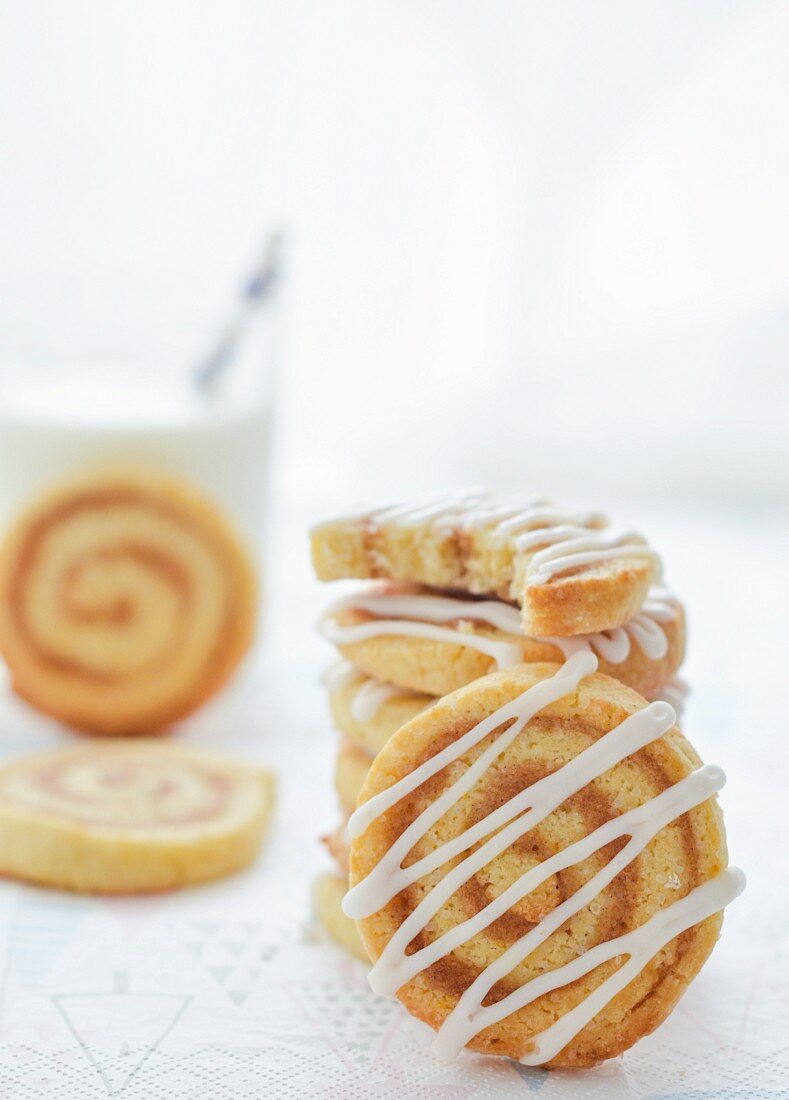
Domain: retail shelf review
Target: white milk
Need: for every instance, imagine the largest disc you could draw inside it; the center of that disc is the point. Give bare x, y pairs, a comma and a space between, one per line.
55, 424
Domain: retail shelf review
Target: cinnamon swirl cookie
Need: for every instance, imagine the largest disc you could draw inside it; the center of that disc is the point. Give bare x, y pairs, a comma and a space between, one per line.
569, 571
350, 772
328, 891
538, 865
126, 600
434, 643
330, 888
129, 816
368, 711
338, 845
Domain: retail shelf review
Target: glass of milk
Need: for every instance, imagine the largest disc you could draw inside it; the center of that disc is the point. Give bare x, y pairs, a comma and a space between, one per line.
61, 418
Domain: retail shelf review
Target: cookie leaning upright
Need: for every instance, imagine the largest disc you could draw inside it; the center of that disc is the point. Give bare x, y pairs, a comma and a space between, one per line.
126, 600
569, 571
538, 865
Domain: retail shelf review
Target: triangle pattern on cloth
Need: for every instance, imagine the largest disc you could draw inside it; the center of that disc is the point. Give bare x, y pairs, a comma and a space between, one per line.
117, 1032
234, 953
356, 1024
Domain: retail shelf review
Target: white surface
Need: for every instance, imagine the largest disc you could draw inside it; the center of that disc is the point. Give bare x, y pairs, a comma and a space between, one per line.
229, 992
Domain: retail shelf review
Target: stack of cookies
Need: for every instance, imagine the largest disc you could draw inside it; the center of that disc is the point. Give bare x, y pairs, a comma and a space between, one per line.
458, 588
553, 626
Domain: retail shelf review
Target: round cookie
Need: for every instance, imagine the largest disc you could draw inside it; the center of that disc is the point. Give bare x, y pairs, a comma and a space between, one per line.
453, 652
129, 816
338, 845
373, 729
350, 772
328, 891
569, 765
126, 600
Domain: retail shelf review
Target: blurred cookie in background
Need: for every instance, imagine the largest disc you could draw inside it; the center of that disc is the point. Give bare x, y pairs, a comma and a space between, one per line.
129, 816
127, 599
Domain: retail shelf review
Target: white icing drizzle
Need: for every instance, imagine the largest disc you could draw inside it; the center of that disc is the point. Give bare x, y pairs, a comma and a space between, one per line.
341, 675
440, 513
641, 945
641, 825
403, 603
439, 608
415, 511
371, 696
644, 629
409, 613
570, 546
675, 693
559, 539
518, 712
503, 827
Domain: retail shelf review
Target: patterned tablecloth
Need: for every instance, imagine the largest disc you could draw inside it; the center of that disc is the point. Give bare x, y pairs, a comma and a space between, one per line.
229, 991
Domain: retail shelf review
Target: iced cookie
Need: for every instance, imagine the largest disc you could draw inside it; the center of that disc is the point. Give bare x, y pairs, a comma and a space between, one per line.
538, 865
338, 845
126, 600
328, 891
431, 643
350, 772
569, 571
129, 816
368, 711
675, 693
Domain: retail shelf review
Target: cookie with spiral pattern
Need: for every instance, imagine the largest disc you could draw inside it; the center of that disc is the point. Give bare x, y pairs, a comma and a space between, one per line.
350, 772
369, 727
126, 600
328, 890
538, 865
129, 816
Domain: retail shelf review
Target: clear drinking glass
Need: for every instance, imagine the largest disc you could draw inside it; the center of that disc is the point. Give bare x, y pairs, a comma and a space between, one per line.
129, 395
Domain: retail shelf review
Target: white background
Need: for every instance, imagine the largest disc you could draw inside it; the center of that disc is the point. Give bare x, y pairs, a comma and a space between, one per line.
529, 240
531, 244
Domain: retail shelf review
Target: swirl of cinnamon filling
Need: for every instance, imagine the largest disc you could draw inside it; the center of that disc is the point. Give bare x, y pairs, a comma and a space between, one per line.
128, 815
126, 600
